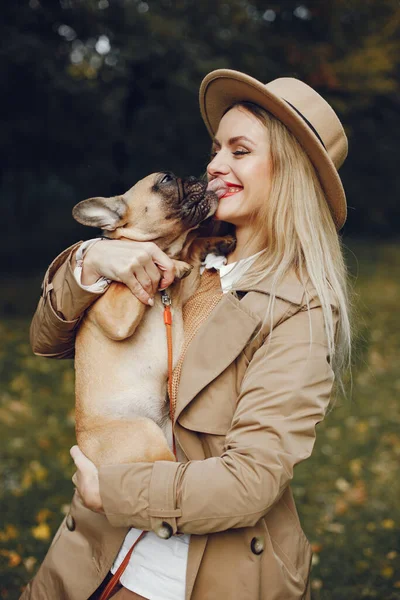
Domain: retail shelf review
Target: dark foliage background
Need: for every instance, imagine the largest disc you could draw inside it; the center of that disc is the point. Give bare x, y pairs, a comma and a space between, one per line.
97, 93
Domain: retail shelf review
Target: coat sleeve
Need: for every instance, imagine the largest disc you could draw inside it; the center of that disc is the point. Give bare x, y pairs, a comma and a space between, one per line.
60, 309
284, 394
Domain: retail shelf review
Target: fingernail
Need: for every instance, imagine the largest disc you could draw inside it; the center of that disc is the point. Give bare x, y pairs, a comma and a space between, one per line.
150, 302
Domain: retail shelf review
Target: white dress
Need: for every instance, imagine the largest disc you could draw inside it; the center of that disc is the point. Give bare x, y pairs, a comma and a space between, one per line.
157, 567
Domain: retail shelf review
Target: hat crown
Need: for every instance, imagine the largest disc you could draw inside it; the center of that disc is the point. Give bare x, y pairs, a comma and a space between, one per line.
316, 112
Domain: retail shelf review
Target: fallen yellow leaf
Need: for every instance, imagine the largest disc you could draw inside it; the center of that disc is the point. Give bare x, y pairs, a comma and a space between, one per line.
388, 524
342, 485
41, 532
356, 466
14, 558
357, 494
43, 515
362, 427
40, 472
387, 572
10, 532
341, 506
29, 563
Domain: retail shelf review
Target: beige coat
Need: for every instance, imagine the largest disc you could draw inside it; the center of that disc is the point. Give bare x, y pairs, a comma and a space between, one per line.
246, 413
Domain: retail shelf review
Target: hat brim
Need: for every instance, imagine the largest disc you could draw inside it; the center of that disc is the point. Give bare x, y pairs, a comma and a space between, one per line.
222, 88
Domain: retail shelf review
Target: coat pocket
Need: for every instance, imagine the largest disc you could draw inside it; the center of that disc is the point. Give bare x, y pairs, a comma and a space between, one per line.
289, 542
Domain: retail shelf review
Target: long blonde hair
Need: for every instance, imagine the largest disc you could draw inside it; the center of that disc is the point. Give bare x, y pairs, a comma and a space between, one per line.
297, 231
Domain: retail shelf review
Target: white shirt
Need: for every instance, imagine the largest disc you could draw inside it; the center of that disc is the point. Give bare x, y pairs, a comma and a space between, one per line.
231, 273
157, 567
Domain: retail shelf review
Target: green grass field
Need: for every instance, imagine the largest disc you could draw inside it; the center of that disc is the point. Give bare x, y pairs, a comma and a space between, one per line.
347, 493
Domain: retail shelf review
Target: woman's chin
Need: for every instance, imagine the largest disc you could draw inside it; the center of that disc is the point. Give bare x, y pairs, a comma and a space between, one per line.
224, 214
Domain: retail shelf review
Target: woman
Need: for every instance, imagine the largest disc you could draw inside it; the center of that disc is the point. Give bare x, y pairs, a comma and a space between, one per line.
253, 383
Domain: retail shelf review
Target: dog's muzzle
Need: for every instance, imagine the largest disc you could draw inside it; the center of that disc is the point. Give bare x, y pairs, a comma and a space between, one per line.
197, 202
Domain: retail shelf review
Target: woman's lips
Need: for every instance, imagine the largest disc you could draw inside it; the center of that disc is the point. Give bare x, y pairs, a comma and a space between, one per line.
232, 189
223, 189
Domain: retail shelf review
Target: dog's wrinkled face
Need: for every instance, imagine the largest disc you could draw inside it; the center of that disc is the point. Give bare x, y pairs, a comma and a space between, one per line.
159, 208
187, 199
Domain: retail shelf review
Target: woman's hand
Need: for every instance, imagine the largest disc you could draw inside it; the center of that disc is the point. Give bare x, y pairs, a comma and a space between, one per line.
86, 480
139, 265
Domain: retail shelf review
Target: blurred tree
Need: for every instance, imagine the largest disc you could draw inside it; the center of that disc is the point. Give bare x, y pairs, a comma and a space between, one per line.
100, 92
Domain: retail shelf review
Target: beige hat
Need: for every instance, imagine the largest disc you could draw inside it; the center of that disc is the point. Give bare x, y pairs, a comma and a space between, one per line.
304, 112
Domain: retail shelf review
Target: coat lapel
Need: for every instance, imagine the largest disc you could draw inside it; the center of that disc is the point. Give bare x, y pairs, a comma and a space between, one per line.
215, 346
226, 332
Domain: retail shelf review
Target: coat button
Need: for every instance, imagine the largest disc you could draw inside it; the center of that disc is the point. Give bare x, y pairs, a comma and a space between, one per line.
257, 545
70, 523
164, 531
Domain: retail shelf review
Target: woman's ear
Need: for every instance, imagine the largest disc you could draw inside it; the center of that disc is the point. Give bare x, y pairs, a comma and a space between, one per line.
106, 213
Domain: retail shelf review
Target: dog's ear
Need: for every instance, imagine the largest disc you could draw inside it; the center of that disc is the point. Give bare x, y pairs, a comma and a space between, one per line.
106, 213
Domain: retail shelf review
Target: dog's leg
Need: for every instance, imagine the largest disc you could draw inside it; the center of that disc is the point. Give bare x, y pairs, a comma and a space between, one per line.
200, 247
117, 441
118, 312
218, 245
182, 269
195, 253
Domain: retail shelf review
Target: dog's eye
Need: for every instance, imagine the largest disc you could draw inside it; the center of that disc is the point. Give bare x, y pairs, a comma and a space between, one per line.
167, 177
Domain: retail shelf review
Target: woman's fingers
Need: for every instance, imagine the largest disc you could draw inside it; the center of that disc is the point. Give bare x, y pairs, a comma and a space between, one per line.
75, 452
79, 458
137, 289
138, 265
164, 263
86, 480
154, 273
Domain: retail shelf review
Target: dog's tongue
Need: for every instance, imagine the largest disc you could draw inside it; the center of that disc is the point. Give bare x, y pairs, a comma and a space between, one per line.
218, 186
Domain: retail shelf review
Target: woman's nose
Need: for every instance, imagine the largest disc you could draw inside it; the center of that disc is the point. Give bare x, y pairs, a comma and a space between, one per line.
217, 166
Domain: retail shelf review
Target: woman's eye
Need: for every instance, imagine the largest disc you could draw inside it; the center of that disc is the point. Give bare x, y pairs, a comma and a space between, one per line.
235, 153
166, 178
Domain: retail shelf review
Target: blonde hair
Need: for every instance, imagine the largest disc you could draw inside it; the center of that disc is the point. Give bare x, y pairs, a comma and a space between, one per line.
296, 229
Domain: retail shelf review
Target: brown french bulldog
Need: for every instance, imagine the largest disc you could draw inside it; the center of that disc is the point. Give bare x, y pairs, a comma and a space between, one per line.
121, 352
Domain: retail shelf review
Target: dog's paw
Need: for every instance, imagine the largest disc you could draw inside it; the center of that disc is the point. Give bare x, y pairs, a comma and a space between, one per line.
182, 269
225, 245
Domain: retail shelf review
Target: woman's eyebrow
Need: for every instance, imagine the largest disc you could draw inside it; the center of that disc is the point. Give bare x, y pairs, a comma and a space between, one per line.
234, 140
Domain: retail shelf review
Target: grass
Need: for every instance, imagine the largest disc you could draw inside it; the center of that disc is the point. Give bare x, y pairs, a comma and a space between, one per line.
347, 493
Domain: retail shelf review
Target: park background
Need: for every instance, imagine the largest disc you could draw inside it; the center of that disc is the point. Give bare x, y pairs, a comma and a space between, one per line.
96, 94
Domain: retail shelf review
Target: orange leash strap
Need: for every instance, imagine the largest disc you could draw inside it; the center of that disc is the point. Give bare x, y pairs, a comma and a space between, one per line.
115, 578
166, 300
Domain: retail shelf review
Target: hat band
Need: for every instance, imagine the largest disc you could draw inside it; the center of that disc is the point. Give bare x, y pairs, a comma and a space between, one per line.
306, 121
